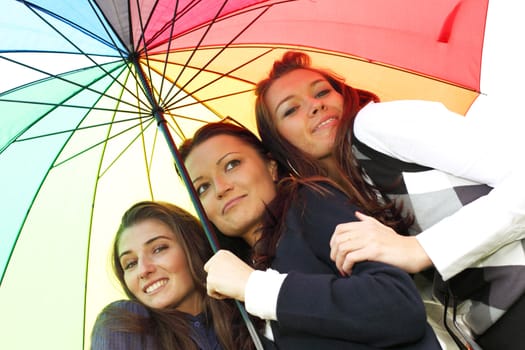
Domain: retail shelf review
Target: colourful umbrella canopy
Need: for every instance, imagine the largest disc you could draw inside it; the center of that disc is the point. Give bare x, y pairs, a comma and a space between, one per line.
86, 84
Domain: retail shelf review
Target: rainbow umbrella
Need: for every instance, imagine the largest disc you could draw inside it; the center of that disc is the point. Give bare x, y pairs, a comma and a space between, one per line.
95, 96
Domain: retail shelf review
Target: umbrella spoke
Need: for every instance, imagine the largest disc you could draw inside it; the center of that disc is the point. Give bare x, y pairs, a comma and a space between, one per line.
36, 8
223, 48
63, 78
129, 144
113, 122
221, 76
113, 44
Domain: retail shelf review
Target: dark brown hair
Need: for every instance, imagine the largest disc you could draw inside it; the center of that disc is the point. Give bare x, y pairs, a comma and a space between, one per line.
237, 245
169, 326
273, 219
350, 175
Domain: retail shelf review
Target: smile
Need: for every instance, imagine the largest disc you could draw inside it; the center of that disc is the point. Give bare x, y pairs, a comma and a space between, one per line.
324, 123
153, 287
230, 204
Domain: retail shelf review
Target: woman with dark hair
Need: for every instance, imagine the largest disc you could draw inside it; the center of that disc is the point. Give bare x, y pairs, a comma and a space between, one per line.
412, 156
158, 256
287, 223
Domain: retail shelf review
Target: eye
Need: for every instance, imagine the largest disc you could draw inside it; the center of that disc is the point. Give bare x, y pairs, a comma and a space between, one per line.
201, 188
232, 164
289, 111
323, 92
128, 264
160, 248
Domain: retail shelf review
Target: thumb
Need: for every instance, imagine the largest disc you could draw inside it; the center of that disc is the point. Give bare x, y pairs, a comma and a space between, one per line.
207, 266
363, 217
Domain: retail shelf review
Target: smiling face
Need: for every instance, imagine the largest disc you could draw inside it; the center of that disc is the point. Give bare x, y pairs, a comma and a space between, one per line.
306, 111
155, 267
234, 183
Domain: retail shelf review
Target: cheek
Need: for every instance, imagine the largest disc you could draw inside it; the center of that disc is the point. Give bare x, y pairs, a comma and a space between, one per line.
209, 208
291, 132
131, 283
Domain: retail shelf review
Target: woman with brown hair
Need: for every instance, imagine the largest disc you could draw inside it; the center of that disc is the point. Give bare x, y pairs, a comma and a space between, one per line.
287, 223
158, 256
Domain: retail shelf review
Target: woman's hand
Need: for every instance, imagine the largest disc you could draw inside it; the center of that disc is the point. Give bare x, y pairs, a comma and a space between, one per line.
369, 239
227, 276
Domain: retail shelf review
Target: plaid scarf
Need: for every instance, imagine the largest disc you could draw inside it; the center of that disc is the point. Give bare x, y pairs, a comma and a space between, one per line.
479, 295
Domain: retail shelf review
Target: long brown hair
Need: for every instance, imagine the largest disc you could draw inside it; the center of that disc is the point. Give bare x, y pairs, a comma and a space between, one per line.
350, 175
273, 219
237, 245
169, 326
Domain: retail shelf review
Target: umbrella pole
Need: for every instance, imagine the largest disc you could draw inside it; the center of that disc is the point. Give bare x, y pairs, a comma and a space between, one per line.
158, 114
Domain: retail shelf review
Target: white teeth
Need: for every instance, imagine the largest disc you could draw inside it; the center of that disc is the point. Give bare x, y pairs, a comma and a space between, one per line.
325, 122
155, 286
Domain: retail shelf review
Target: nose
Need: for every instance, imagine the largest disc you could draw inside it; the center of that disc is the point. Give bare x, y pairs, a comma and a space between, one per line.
222, 186
146, 267
316, 105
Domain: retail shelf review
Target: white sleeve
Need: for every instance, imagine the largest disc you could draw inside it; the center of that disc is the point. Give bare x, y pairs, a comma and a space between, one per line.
427, 133
261, 293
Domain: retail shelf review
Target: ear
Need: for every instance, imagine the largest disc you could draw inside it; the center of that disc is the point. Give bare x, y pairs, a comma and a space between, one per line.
272, 167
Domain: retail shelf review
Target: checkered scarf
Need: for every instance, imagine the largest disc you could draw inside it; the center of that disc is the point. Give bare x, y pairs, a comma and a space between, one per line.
484, 292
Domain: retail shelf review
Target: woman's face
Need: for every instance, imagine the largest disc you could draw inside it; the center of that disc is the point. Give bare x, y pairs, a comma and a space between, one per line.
306, 111
155, 267
234, 184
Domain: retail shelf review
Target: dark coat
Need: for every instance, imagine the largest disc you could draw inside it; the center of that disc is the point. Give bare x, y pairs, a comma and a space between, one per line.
376, 307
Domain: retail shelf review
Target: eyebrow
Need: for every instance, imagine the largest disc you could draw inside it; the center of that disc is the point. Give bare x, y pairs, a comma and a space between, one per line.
148, 242
316, 81
216, 163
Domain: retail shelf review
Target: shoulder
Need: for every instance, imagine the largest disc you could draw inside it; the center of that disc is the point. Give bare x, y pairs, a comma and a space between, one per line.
318, 190
321, 196
125, 305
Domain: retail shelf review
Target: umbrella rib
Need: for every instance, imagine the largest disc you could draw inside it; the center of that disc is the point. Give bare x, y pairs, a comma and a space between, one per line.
223, 48
101, 142
58, 104
125, 58
217, 97
165, 67
221, 76
125, 148
142, 38
84, 87
95, 7
81, 128
208, 28
183, 12
45, 114
33, 8
226, 17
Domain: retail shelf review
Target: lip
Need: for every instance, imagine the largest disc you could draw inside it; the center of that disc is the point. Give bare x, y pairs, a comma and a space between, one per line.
329, 120
164, 281
231, 203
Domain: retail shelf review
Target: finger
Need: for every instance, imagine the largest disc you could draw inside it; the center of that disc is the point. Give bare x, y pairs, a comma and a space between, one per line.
207, 266
342, 250
337, 242
353, 258
364, 217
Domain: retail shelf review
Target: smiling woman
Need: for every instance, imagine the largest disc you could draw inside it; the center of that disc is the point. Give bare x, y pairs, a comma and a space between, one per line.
158, 257
286, 225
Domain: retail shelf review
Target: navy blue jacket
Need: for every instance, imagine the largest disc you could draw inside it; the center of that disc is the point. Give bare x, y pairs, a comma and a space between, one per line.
376, 307
105, 338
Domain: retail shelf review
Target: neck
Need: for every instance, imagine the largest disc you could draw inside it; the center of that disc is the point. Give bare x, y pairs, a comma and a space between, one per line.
330, 166
252, 236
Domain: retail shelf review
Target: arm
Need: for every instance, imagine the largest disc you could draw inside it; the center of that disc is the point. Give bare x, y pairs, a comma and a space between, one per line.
378, 304
428, 134
109, 331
